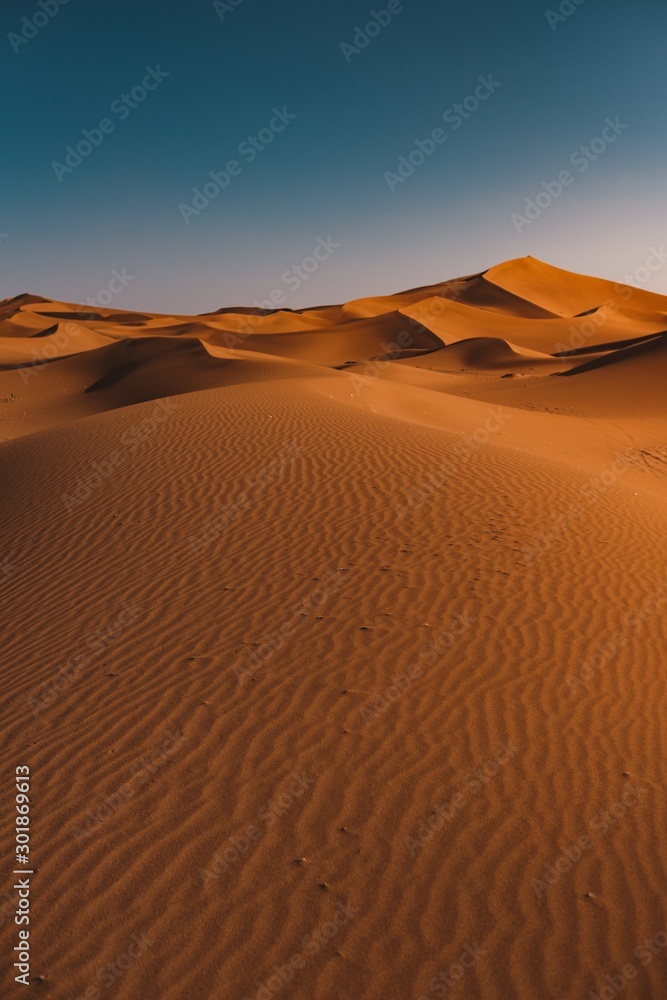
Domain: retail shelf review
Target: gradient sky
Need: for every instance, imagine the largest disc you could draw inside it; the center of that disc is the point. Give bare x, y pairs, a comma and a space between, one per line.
324, 175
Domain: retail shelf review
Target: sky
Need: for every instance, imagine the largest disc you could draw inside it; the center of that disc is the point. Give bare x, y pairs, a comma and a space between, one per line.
407, 142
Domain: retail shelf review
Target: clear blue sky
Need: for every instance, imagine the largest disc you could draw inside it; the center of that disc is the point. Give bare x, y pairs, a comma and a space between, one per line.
324, 175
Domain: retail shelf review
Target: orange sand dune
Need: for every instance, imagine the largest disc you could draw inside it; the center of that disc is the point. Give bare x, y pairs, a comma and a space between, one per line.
8, 307
478, 291
627, 382
566, 293
125, 373
474, 290
278, 322
54, 342
376, 336
453, 321
335, 651
484, 353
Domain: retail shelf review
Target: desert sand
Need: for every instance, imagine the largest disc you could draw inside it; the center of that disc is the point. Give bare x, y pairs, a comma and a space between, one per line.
335, 643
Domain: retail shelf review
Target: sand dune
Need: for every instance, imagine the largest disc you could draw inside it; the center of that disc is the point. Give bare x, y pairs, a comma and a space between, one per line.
335, 647
49, 344
566, 293
453, 321
474, 289
376, 336
484, 353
